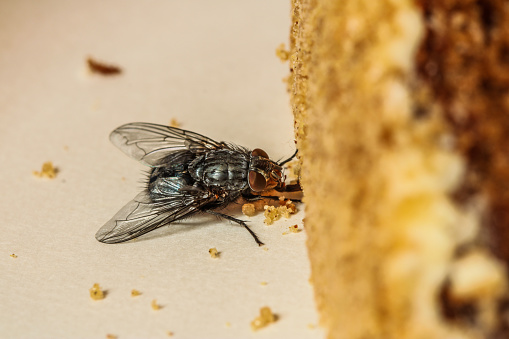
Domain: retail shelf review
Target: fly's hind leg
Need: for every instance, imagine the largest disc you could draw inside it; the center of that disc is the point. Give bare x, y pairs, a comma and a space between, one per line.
238, 221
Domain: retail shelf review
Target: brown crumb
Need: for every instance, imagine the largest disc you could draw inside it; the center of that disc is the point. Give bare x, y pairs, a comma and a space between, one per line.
282, 53
265, 318
13, 255
155, 305
101, 68
47, 171
249, 209
214, 253
135, 293
175, 123
169, 333
96, 292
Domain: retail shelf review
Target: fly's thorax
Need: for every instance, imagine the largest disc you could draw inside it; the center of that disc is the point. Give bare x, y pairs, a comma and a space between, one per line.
224, 169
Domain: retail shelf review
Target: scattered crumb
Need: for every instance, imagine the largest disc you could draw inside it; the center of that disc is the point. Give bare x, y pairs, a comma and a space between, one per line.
273, 213
249, 209
123, 178
214, 253
66, 148
155, 305
294, 229
96, 292
135, 293
47, 171
111, 336
169, 333
282, 53
265, 248
263, 283
175, 123
13, 255
228, 324
101, 68
265, 318
311, 326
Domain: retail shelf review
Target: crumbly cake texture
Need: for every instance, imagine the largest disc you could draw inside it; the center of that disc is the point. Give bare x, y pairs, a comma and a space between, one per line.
400, 115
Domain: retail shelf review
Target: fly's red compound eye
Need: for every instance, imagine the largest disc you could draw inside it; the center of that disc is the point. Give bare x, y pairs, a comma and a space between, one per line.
257, 152
257, 181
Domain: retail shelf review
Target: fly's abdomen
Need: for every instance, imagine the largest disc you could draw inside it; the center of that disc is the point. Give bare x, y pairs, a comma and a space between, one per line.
225, 169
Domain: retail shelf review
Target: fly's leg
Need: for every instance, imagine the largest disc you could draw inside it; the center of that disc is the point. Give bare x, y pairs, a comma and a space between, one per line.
238, 221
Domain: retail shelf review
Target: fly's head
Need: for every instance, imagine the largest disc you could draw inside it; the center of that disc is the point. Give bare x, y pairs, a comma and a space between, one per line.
264, 174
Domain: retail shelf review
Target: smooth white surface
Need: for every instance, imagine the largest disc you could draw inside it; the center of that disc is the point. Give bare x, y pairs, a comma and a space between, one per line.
209, 64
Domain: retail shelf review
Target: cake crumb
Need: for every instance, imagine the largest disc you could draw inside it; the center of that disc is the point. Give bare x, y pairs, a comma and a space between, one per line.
13, 255
169, 333
282, 53
155, 305
265, 318
111, 336
175, 123
214, 253
294, 229
311, 326
101, 68
47, 171
228, 324
273, 213
96, 292
135, 293
263, 283
249, 210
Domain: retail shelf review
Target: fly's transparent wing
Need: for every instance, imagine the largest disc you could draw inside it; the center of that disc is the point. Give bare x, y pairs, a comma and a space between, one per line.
142, 215
150, 143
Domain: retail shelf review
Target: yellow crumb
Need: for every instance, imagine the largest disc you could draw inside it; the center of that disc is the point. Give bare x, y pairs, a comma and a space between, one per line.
273, 213
155, 305
228, 324
13, 255
282, 53
294, 229
47, 171
175, 123
135, 293
111, 336
263, 283
214, 253
96, 292
169, 333
265, 318
249, 209
265, 248
311, 326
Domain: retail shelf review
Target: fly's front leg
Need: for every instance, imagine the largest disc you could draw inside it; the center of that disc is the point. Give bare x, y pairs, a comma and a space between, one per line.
238, 221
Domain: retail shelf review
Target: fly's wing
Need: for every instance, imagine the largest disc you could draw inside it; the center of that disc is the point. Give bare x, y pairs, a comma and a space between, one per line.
142, 215
150, 143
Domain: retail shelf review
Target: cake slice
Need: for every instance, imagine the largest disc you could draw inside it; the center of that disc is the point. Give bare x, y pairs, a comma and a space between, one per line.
402, 124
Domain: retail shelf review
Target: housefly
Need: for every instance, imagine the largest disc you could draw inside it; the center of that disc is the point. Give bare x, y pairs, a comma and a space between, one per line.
190, 173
